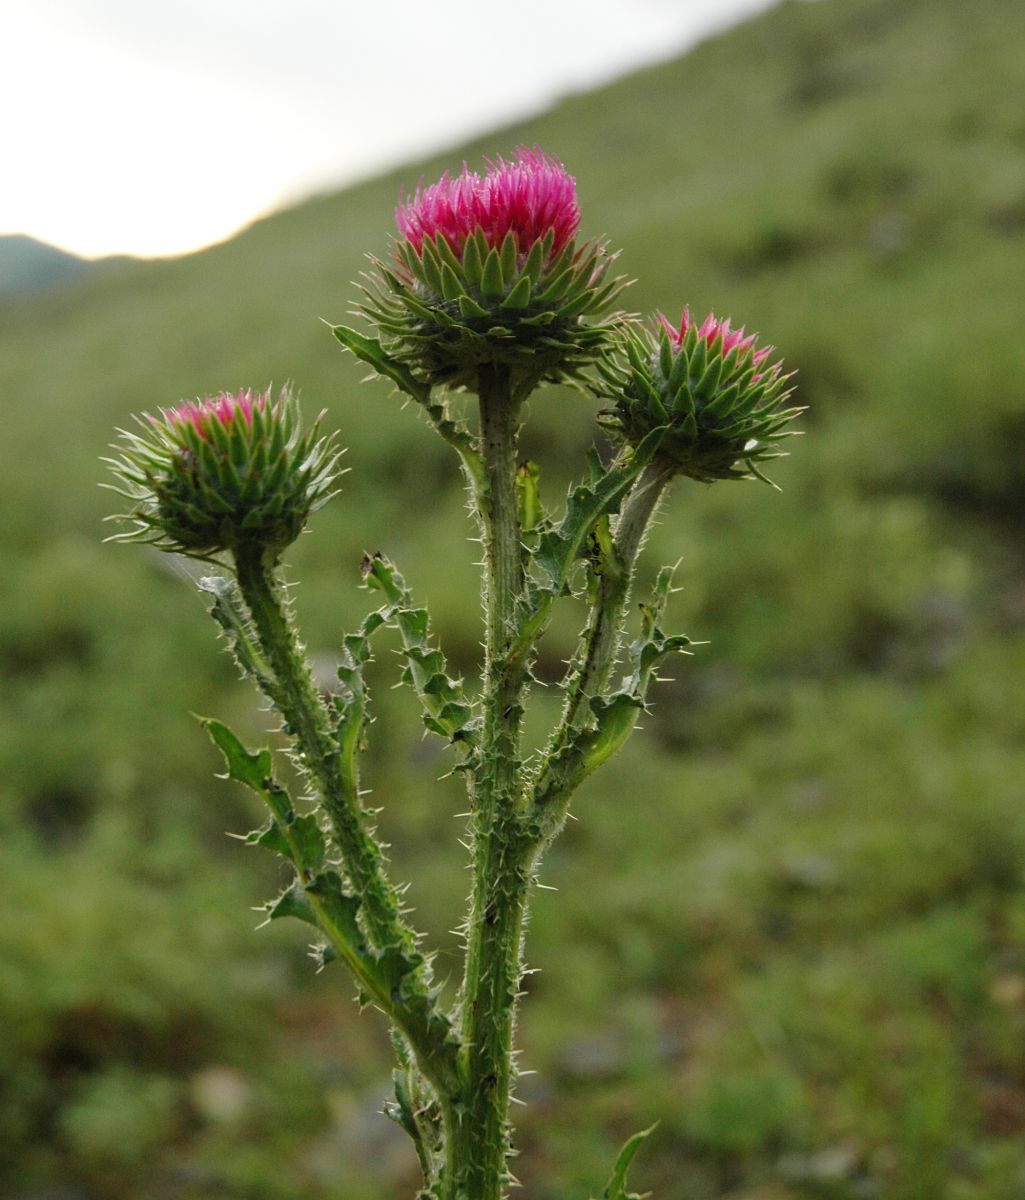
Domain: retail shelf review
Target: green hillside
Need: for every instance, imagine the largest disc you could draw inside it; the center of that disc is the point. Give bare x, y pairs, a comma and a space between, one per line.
790, 922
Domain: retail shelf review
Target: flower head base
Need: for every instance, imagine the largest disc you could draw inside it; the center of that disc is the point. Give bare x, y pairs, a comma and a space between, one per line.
487, 273
723, 409
224, 472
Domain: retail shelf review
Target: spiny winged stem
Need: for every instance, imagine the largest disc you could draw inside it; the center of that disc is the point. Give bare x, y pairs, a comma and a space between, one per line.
335, 779
598, 652
308, 721
501, 879
605, 627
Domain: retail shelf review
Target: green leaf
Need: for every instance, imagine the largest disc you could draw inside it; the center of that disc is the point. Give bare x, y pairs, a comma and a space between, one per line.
270, 838
292, 903
254, 770
653, 645
616, 719
370, 351
615, 1189
307, 841
229, 611
559, 548
296, 838
339, 909
402, 1113
445, 709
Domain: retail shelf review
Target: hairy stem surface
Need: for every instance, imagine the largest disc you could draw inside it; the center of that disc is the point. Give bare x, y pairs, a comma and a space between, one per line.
307, 719
336, 781
501, 879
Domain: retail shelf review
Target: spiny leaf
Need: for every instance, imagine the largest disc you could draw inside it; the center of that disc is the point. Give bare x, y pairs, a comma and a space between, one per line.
229, 611
559, 548
296, 838
445, 708
615, 1189
653, 645
292, 903
254, 770
370, 351
402, 1113
615, 719
339, 908
307, 841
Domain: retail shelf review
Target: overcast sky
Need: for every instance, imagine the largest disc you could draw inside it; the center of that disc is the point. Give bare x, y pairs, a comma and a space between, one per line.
159, 126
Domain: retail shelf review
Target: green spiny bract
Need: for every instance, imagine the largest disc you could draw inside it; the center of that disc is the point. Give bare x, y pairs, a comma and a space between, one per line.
536, 313
223, 473
724, 407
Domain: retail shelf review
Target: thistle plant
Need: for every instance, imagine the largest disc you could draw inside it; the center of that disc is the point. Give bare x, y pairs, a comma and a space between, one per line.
487, 292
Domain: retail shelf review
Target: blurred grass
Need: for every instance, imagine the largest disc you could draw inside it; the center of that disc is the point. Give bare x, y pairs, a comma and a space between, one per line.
791, 918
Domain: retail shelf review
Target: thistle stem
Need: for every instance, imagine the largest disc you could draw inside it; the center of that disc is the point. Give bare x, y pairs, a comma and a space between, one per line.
307, 719
335, 778
500, 862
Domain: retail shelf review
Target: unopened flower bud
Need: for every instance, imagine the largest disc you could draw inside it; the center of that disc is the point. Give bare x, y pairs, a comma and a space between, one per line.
224, 472
722, 404
487, 272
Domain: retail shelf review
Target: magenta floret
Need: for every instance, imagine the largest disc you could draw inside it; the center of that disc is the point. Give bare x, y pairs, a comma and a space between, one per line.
530, 197
224, 408
711, 329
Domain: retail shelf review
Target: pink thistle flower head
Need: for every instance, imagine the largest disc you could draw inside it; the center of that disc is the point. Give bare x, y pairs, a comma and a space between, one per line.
531, 197
704, 392
487, 273
228, 473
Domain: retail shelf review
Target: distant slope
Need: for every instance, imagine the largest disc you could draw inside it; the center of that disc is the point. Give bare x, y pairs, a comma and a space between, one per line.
27, 265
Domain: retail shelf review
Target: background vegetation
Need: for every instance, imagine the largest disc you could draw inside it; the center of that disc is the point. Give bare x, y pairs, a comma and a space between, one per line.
791, 918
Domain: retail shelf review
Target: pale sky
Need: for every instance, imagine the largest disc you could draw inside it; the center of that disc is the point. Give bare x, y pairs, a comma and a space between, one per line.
156, 127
